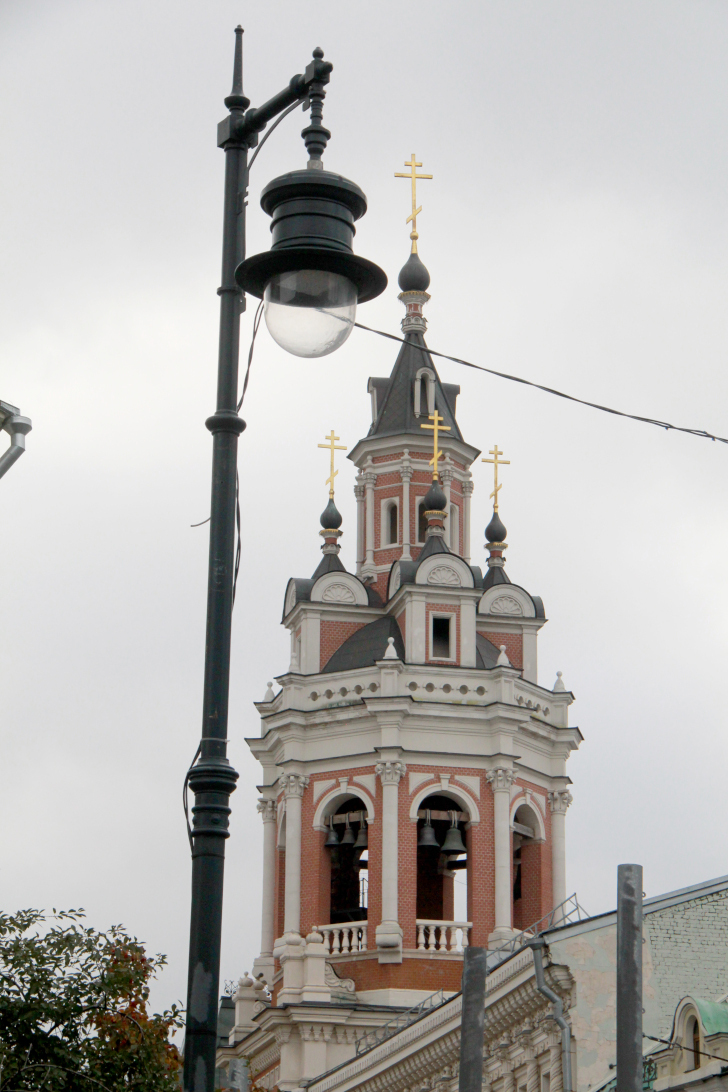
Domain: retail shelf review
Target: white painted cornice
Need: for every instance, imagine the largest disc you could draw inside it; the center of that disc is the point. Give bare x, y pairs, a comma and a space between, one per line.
371, 446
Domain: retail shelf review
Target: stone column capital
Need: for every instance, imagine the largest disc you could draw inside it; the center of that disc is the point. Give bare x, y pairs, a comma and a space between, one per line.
390, 772
559, 801
467, 487
359, 491
406, 471
293, 784
447, 474
267, 810
501, 778
369, 478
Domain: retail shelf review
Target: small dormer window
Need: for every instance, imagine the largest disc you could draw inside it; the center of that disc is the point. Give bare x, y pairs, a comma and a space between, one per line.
441, 642
424, 394
393, 521
390, 523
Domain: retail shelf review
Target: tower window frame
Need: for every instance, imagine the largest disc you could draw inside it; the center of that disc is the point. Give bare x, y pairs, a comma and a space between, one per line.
454, 528
389, 504
435, 636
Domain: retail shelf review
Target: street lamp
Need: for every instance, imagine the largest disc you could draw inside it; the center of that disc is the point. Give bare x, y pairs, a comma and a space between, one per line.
311, 282
17, 428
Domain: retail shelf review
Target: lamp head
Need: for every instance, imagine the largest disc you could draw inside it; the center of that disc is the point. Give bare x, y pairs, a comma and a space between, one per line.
310, 279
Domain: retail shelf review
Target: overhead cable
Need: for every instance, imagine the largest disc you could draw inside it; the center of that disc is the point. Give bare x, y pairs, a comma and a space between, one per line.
549, 390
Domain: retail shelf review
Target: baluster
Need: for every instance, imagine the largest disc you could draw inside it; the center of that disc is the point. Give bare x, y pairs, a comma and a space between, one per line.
431, 938
420, 937
465, 940
336, 947
327, 937
348, 940
453, 938
442, 943
363, 938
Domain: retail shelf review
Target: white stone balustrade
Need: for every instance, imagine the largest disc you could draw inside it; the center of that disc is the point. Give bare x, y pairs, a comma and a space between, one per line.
350, 936
442, 936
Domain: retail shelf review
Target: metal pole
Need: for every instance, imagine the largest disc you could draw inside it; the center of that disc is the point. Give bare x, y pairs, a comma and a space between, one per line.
629, 978
472, 1020
213, 779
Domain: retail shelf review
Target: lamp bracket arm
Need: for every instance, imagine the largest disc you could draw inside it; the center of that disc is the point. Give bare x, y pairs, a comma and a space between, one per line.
243, 129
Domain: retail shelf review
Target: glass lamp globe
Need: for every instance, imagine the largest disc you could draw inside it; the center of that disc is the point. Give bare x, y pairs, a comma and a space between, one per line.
310, 312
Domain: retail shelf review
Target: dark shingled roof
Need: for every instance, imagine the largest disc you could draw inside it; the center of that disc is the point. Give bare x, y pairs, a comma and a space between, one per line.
329, 563
395, 396
496, 575
366, 646
486, 654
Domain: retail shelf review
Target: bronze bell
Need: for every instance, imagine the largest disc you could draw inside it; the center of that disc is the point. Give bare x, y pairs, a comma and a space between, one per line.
427, 837
453, 839
362, 838
332, 838
348, 839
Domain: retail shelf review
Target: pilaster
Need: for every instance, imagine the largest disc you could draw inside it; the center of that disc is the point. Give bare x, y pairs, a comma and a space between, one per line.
389, 931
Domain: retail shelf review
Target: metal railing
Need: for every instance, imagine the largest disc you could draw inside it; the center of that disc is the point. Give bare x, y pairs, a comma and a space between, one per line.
565, 913
378, 1035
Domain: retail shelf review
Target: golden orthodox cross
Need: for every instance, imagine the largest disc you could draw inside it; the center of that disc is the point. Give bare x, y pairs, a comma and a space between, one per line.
496, 463
437, 428
332, 447
413, 175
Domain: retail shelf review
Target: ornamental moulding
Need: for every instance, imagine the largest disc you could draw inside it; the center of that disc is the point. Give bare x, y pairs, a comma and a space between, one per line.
390, 772
501, 778
338, 593
293, 784
443, 574
506, 604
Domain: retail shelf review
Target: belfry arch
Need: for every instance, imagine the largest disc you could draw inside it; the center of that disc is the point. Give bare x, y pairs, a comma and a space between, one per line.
442, 857
345, 817
529, 864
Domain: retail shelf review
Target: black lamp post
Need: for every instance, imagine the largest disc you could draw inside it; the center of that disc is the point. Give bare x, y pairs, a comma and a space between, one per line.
311, 282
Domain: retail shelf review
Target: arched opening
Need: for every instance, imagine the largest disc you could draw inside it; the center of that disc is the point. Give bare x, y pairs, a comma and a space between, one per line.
441, 860
421, 522
527, 865
693, 1043
391, 524
347, 843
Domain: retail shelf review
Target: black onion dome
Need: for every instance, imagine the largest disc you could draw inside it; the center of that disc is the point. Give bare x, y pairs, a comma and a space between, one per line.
435, 499
331, 517
413, 276
495, 531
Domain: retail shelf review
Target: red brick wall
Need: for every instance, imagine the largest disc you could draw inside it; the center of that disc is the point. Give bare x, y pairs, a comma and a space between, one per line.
402, 623
429, 973
333, 635
513, 643
481, 869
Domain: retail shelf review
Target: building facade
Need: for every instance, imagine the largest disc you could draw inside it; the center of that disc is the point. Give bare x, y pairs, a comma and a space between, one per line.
414, 785
685, 970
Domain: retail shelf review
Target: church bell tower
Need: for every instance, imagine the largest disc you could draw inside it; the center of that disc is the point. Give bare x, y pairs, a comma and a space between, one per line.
414, 784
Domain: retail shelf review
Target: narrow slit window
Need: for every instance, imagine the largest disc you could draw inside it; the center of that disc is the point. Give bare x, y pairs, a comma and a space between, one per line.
393, 525
421, 523
441, 638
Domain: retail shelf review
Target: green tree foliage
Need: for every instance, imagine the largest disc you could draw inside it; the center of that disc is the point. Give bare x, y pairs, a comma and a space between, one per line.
73, 1009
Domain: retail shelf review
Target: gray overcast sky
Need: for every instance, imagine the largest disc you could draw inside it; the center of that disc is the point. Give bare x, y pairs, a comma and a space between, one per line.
575, 232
